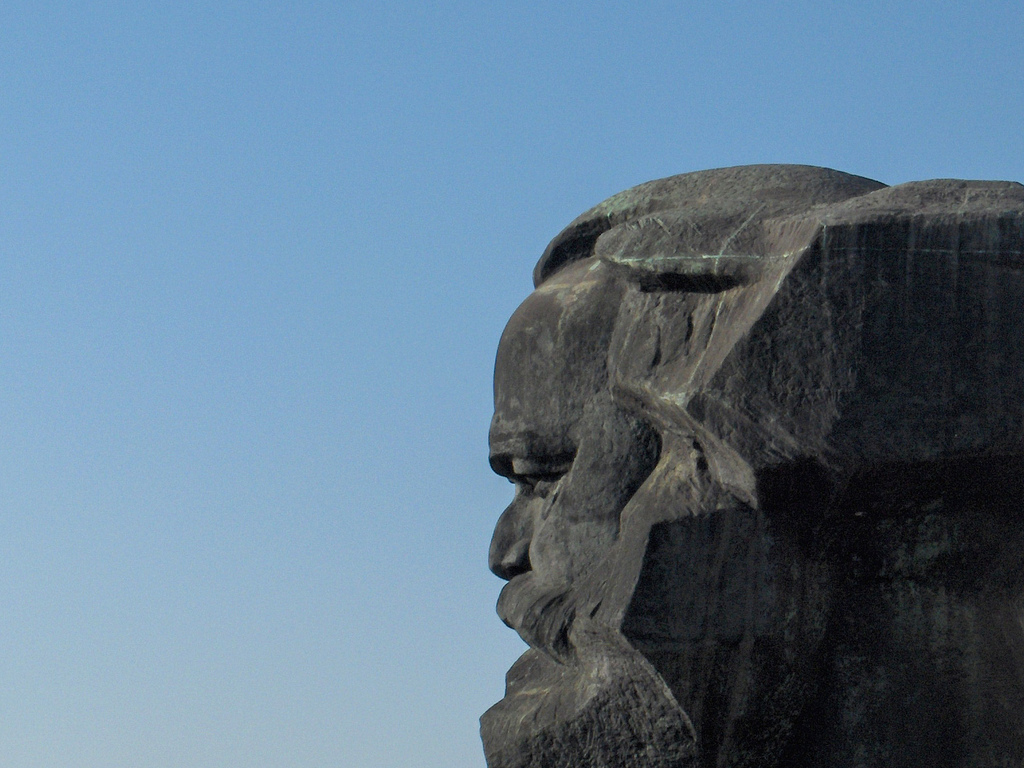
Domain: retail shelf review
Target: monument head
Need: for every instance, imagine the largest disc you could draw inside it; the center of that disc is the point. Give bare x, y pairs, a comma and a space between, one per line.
764, 426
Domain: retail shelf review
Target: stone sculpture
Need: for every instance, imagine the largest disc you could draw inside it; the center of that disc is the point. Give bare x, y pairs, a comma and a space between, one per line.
766, 427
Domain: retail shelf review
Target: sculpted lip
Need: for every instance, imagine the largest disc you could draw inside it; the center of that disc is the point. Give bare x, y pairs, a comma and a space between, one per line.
509, 599
541, 614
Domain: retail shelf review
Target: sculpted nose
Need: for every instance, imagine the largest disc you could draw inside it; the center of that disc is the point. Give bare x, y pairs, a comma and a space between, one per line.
510, 546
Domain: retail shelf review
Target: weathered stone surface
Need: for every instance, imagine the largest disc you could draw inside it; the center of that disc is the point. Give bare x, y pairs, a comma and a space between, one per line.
766, 426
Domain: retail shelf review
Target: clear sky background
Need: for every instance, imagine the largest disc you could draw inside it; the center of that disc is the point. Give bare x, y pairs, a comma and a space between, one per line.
255, 259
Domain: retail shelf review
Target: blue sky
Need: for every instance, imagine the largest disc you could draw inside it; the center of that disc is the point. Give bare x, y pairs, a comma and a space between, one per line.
254, 262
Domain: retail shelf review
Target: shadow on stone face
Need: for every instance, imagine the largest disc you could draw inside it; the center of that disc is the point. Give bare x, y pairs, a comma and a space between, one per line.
765, 425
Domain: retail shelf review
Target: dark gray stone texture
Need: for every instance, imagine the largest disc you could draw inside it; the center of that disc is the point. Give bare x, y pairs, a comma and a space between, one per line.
766, 426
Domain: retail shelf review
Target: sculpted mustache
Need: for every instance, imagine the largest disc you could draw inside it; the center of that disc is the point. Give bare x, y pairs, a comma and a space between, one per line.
543, 616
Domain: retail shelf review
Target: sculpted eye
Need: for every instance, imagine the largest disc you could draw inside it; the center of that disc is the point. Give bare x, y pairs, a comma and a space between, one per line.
533, 472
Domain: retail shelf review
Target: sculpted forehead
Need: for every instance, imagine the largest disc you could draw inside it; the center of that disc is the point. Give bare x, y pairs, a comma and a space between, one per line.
552, 361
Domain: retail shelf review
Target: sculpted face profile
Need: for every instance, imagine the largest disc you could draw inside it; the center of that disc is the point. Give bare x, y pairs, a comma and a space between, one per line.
766, 430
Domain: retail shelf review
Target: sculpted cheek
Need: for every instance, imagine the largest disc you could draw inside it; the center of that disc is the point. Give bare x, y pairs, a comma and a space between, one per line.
566, 543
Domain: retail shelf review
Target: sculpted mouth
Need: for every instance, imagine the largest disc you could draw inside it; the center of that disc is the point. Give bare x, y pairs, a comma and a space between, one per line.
542, 615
